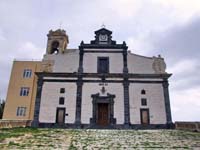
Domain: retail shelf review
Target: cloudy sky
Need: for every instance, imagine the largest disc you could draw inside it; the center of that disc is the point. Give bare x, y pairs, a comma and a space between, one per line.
149, 27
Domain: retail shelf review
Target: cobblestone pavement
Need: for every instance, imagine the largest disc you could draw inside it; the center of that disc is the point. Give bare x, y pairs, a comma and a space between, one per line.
134, 139
63, 139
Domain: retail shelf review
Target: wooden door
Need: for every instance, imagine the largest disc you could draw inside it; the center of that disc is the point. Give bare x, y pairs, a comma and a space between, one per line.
144, 116
60, 117
103, 118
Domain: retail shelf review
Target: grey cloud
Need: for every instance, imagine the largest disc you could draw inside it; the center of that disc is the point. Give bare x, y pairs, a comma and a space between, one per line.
180, 42
29, 21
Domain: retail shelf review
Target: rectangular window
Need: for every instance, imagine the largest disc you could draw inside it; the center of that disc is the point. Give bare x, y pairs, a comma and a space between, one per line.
61, 100
144, 101
21, 111
103, 65
24, 91
27, 73
62, 90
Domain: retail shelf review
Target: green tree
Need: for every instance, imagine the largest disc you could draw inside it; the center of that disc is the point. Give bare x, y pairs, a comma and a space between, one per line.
2, 104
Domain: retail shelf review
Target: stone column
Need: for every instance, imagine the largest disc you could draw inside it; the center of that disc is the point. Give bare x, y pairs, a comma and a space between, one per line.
125, 68
165, 85
79, 87
126, 104
78, 102
126, 88
35, 122
81, 52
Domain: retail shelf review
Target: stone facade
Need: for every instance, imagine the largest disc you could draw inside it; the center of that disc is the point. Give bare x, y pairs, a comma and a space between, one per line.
128, 74
100, 85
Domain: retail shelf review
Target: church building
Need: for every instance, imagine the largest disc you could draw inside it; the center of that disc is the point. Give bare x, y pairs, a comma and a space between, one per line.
100, 84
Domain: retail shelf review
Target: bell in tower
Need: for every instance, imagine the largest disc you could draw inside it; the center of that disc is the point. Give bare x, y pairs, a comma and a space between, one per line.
57, 41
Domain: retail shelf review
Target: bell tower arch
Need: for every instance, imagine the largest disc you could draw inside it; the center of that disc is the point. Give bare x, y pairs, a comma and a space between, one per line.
57, 41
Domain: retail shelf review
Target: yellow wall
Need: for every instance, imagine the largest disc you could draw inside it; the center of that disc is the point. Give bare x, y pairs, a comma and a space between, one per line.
17, 81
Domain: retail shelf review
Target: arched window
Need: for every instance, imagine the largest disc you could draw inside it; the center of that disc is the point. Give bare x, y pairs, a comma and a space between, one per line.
143, 92
54, 47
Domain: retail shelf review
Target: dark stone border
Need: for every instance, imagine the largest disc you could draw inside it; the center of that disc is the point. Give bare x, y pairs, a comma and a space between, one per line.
99, 81
109, 99
116, 126
35, 121
165, 85
97, 75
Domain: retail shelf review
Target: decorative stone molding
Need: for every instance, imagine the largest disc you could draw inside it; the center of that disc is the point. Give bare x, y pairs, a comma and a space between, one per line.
159, 65
109, 99
47, 65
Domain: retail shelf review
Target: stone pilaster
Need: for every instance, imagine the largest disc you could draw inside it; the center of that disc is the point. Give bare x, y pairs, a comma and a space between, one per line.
79, 87
126, 88
35, 122
125, 67
81, 52
78, 102
126, 104
167, 101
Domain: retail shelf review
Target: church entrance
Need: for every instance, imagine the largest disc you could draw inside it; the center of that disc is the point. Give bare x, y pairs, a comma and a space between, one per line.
103, 110
103, 115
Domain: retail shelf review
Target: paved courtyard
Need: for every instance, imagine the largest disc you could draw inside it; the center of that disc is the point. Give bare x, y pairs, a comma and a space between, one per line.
28, 138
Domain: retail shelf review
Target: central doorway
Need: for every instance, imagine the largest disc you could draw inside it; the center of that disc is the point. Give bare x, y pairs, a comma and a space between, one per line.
103, 114
102, 110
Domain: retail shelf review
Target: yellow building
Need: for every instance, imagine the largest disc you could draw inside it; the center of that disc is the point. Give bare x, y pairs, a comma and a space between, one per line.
21, 93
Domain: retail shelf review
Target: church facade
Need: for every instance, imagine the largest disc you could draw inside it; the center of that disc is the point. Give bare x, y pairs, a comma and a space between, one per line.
100, 85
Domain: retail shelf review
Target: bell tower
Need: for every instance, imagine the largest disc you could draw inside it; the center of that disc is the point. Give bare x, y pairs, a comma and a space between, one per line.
57, 41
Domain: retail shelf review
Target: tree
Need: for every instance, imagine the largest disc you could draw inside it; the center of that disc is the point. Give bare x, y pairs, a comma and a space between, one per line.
2, 104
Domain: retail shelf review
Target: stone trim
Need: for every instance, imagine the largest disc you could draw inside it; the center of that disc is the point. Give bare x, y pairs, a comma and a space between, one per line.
165, 85
126, 104
100, 80
35, 121
115, 126
109, 99
102, 51
125, 68
102, 46
79, 88
81, 53
109, 75
78, 102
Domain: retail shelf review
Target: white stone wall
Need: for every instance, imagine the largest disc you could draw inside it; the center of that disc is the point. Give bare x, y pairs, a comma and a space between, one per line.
93, 88
139, 64
115, 62
67, 62
50, 101
155, 102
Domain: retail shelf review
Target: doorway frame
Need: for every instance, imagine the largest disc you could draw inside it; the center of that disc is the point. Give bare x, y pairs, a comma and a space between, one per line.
141, 116
57, 110
108, 99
